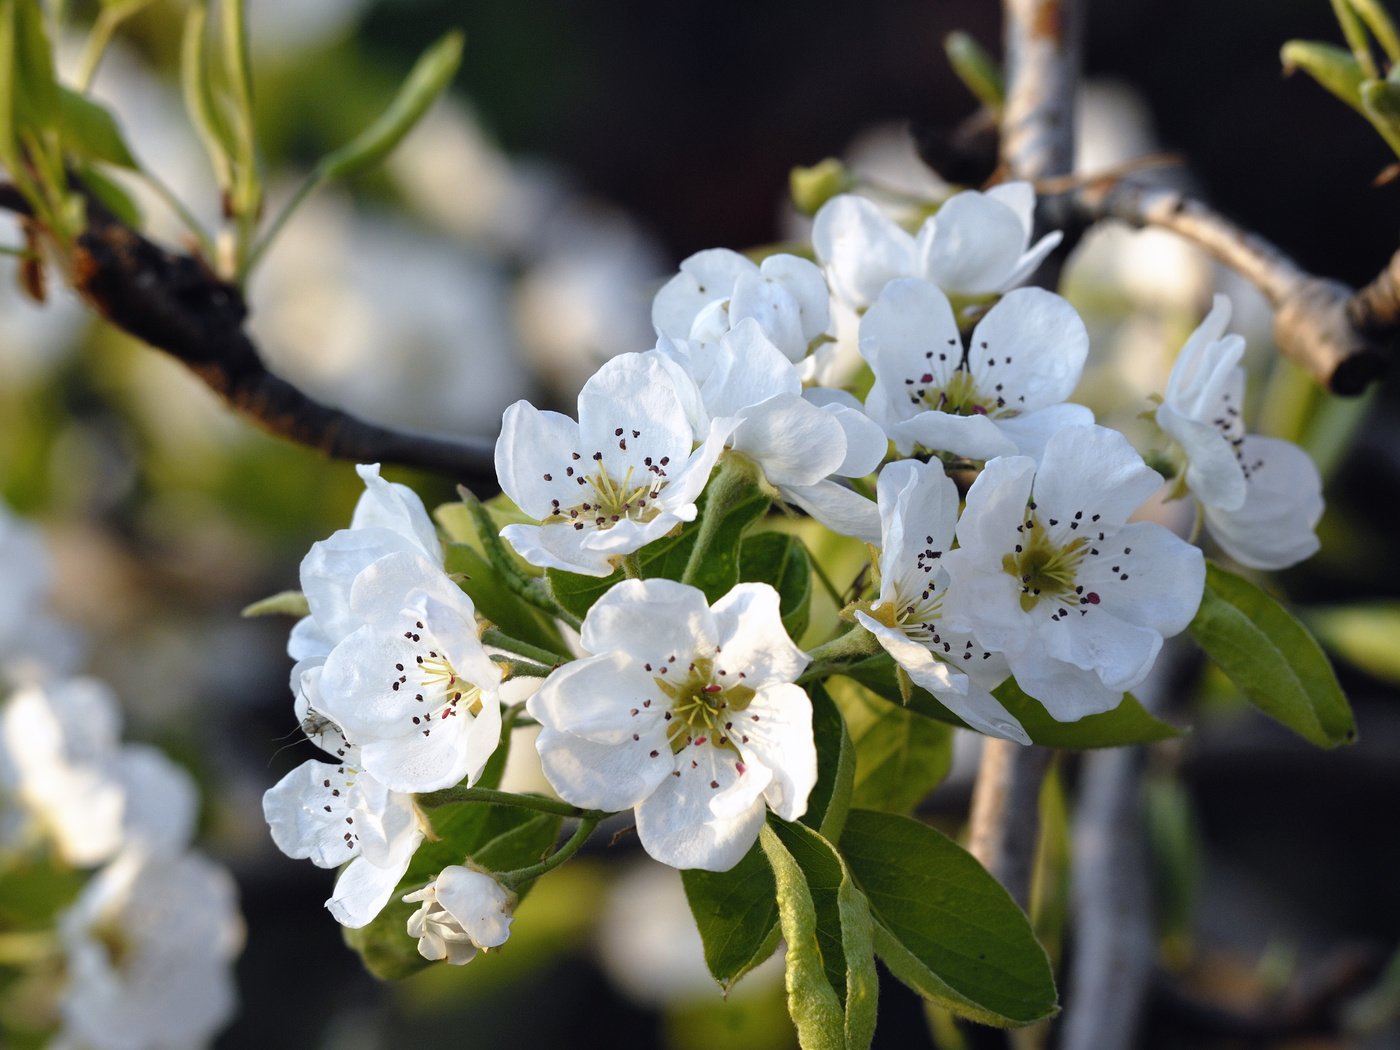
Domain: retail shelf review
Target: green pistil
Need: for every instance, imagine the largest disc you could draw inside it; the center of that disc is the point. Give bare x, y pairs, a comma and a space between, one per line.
1043, 569
959, 398
612, 502
701, 708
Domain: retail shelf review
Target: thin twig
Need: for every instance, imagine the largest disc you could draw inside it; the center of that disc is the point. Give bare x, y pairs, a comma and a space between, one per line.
1331, 331
176, 304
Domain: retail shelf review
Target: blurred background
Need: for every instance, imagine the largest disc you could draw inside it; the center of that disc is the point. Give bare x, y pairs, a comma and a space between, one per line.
512, 244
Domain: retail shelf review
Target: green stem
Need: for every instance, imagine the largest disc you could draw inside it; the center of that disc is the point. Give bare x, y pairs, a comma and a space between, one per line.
514, 879
497, 637
826, 583
514, 668
631, 566
724, 491
197, 230
839, 653
309, 185
539, 803
534, 589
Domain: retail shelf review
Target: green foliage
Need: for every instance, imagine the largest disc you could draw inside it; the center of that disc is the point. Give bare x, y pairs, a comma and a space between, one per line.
944, 926
977, 69
736, 912
1128, 723
1363, 635
831, 981
499, 838
1272, 659
830, 799
284, 603
425, 82
781, 561
900, 754
667, 558
91, 132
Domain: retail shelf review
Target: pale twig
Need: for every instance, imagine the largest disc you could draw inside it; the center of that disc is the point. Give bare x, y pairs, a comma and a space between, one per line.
1005, 809
1328, 329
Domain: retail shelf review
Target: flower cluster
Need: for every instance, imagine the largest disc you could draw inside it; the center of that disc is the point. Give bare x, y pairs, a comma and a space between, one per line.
148, 942
1008, 530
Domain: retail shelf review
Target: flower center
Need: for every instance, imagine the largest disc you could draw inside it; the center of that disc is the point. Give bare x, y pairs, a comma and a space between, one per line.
702, 708
436, 684
1046, 569
612, 500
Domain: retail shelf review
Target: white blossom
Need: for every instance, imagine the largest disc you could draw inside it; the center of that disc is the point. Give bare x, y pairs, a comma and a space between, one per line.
1001, 394
1050, 572
799, 439
62, 760
461, 911
334, 813
607, 485
388, 519
717, 289
918, 512
1262, 497
412, 688
975, 244
148, 945
686, 713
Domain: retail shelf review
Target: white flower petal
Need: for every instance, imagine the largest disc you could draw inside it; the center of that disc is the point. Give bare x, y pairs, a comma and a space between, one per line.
480, 904
971, 244
838, 508
1029, 350
705, 277
774, 309
605, 699
1274, 528
792, 440
602, 776
910, 339
1094, 470
975, 437
861, 248
362, 891
530, 457
775, 732
751, 638
649, 618
677, 826
387, 505
805, 283
1030, 432
954, 690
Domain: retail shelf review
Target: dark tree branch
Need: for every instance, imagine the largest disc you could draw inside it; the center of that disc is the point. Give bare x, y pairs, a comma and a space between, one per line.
1337, 335
174, 303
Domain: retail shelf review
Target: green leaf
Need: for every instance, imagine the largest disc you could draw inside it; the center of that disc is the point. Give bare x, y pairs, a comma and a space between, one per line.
197, 81
426, 81
978, 70
831, 981
496, 602
944, 926
1380, 101
9, 143
284, 603
667, 557
1335, 68
1272, 659
499, 838
91, 132
1363, 635
736, 912
1378, 21
37, 95
830, 798
900, 754
110, 195
780, 560
1128, 723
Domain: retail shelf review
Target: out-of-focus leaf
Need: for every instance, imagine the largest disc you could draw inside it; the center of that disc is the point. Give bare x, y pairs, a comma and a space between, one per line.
285, 603
780, 560
977, 69
426, 81
91, 132
1364, 634
1335, 68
